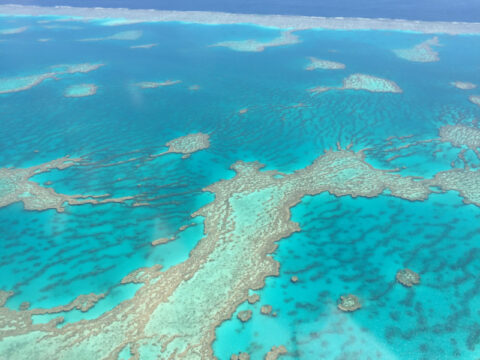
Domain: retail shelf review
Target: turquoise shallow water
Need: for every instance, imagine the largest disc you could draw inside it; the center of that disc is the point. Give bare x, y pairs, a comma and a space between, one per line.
346, 245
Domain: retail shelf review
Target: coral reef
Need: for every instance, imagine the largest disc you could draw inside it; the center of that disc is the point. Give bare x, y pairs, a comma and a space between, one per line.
465, 181
275, 352
121, 16
241, 356
16, 84
463, 85
461, 135
81, 90
15, 186
362, 82
349, 303
266, 309
187, 145
286, 38
370, 83
323, 64
252, 299
407, 277
124, 35
422, 52
144, 46
475, 99
155, 84
249, 213
13, 31
245, 315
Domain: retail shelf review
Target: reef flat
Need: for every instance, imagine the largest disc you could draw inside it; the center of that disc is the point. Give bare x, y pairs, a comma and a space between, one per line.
323, 64
279, 21
13, 31
475, 99
461, 135
16, 186
286, 38
156, 84
187, 145
22, 83
81, 90
422, 52
362, 82
124, 35
464, 85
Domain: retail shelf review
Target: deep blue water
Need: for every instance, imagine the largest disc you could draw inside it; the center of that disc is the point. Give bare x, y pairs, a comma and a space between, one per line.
434, 10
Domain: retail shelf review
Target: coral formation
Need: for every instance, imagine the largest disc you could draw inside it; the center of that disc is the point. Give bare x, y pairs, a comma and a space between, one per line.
16, 84
16, 186
245, 315
407, 277
475, 99
349, 303
81, 90
121, 16
266, 309
323, 64
286, 38
461, 135
13, 31
422, 52
249, 213
241, 356
124, 35
252, 299
187, 145
144, 46
463, 85
370, 83
275, 352
155, 84
362, 82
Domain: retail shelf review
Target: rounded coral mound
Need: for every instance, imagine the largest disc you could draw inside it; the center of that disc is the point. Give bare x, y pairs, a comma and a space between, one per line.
408, 277
349, 303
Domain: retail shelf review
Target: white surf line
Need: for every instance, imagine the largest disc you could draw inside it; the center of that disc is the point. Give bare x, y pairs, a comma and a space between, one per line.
221, 18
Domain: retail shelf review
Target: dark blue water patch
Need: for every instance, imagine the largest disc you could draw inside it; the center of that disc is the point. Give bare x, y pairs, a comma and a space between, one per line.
432, 10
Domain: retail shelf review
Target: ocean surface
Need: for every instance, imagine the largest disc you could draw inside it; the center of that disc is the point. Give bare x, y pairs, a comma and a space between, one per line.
255, 107
432, 10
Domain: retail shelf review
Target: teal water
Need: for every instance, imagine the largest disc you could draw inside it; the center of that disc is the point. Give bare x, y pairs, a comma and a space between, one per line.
346, 245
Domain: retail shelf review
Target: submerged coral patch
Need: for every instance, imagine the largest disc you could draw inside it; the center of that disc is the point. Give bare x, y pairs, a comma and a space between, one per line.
144, 46
323, 64
461, 135
370, 83
362, 82
463, 85
124, 36
13, 31
475, 99
156, 84
17, 187
187, 144
349, 303
408, 277
81, 90
422, 52
286, 38
22, 83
